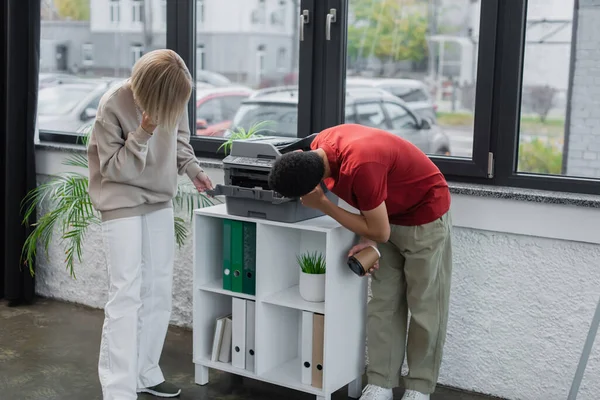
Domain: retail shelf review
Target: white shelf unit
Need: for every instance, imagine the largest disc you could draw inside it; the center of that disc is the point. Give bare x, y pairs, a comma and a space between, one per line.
278, 305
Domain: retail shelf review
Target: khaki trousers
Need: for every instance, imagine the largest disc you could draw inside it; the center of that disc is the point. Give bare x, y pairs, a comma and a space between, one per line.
414, 274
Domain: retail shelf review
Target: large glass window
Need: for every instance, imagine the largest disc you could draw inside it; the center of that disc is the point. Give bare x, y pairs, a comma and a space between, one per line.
249, 64
559, 127
423, 53
85, 49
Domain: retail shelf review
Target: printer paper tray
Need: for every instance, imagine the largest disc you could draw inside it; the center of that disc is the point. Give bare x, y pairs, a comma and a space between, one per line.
248, 193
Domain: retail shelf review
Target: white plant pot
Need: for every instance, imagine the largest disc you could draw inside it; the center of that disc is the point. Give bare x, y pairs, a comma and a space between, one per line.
312, 287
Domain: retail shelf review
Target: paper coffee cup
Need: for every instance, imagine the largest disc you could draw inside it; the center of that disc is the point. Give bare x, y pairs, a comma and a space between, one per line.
364, 260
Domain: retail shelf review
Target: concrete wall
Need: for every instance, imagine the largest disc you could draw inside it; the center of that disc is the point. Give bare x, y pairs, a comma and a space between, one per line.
520, 305
72, 34
584, 140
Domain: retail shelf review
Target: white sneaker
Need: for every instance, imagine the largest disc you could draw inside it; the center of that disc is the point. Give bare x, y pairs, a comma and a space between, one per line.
372, 392
414, 395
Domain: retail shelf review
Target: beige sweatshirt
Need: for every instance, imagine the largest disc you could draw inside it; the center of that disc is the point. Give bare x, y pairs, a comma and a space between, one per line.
131, 171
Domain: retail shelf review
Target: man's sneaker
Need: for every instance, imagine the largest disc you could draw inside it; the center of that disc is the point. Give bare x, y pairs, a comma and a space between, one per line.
372, 392
414, 395
164, 389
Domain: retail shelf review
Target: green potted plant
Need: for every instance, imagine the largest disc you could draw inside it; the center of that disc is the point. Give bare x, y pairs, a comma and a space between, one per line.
312, 276
70, 212
241, 133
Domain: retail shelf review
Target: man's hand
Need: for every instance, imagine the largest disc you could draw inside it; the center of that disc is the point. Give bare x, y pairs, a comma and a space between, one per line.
148, 123
363, 244
202, 182
315, 199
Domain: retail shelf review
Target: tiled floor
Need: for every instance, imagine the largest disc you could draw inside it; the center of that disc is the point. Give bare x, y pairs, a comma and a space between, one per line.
49, 351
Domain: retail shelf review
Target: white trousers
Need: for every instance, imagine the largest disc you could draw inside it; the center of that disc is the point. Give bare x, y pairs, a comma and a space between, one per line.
140, 253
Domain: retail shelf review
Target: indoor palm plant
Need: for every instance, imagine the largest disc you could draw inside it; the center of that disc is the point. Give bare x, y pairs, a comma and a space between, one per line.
312, 276
241, 133
72, 214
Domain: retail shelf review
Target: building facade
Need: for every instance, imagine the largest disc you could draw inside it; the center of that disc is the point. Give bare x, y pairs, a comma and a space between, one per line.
244, 40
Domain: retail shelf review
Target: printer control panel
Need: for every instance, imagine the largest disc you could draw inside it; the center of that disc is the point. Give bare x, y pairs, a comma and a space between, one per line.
249, 161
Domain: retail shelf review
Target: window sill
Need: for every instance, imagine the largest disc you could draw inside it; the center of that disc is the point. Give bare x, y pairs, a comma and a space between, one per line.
545, 214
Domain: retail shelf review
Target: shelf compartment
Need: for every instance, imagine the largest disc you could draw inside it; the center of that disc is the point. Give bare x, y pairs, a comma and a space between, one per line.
226, 367
277, 249
281, 333
208, 307
288, 375
291, 298
209, 262
216, 286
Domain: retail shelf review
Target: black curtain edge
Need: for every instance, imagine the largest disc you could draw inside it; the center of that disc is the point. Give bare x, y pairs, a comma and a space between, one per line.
22, 50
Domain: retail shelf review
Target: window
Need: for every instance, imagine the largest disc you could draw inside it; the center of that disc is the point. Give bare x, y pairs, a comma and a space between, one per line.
259, 15
399, 116
84, 55
137, 11
210, 111
230, 105
200, 12
281, 58
370, 114
87, 54
260, 62
443, 61
200, 57
548, 142
115, 11
495, 92
163, 11
137, 51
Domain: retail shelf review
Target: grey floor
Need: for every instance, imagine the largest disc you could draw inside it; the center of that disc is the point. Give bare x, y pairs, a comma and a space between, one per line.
49, 351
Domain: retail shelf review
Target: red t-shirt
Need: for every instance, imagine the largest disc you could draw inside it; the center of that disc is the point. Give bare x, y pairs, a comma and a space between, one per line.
370, 166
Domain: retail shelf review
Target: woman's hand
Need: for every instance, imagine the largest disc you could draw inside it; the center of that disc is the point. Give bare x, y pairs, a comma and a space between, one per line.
202, 182
363, 244
148, 123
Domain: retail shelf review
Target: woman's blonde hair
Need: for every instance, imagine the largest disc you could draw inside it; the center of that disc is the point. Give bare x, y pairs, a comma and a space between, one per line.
162, 85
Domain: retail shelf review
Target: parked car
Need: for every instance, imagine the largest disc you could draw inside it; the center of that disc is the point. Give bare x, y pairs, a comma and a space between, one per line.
212, 78
412, 91
215, 108
365, 106
68, 106
53, 79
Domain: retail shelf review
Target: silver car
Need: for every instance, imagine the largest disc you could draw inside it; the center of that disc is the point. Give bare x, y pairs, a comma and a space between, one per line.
66, 107
370, 107
413, 92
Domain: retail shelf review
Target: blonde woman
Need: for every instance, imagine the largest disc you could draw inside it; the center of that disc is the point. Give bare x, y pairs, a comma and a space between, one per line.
138, 146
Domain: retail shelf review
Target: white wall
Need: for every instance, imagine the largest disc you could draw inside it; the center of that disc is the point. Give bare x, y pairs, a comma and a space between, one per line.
525, 283
220, 16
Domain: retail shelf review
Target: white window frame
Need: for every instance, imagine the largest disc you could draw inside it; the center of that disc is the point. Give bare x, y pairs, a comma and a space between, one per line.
163, 7
137, 11
87, 54
114, 11
137, 51
201, 57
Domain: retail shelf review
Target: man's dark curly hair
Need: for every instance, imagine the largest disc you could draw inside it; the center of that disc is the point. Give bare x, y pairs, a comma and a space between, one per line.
296, 174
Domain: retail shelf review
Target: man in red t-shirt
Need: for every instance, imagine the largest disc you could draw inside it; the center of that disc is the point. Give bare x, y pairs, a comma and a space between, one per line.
404, 205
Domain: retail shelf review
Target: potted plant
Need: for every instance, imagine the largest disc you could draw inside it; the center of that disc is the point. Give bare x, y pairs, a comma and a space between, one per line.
312, 276
241, 133
70, 212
